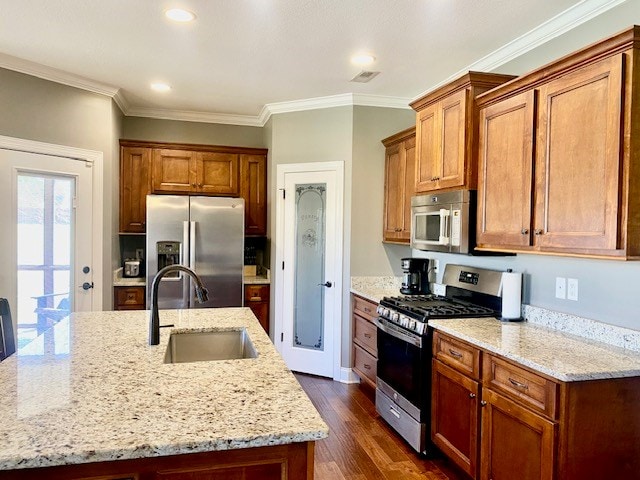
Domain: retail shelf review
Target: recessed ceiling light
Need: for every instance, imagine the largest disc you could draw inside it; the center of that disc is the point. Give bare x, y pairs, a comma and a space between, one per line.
363, 59
180, 15
160, 87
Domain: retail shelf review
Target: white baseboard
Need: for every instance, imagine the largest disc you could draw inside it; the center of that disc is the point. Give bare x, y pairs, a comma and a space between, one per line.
347, 375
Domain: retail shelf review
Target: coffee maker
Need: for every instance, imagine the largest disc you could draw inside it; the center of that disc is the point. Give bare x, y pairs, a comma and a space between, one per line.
415, 276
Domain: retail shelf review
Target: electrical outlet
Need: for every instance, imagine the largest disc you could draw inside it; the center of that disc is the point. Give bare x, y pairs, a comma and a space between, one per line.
561, 287
436, 265
572, 289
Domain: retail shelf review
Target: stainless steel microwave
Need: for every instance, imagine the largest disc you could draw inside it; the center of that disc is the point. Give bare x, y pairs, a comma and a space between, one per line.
444, 222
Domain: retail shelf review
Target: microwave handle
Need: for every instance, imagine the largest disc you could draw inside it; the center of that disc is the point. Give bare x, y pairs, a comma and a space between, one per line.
444, 226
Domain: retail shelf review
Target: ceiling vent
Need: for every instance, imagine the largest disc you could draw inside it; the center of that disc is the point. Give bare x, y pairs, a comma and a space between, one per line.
364, 77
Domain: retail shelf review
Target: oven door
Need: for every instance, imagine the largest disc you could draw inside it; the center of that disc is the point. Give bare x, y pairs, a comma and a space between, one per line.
404, 363
430, 228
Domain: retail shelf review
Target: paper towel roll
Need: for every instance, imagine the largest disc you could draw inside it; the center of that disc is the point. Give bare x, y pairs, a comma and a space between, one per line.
511, 295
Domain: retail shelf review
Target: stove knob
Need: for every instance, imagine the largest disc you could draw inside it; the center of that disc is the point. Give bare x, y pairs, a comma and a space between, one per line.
394, 316
404, 321
420, 327
380, 309
413, 325
386, 313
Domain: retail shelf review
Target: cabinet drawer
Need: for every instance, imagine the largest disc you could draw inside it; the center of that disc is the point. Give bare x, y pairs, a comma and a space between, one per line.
457, 354
365, 334
365, 364
256, 293
515, 382
364, 307
128, 298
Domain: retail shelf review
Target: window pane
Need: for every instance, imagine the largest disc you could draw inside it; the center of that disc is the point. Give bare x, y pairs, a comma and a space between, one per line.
62, 210
30, 220
30, 284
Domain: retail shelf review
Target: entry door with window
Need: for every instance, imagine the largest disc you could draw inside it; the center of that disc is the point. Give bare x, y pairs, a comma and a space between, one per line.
46, 245
308, 310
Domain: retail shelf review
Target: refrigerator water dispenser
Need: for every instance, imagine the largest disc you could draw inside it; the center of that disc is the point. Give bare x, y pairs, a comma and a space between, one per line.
169, 253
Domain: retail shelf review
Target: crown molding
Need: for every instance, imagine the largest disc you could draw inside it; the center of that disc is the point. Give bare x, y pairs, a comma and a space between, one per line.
53, 74
192, 116
552, 28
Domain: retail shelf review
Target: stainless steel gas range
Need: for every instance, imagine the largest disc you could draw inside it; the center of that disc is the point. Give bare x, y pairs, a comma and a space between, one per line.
403, 392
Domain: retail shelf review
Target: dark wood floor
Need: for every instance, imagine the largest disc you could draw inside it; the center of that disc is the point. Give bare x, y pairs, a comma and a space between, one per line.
361, 446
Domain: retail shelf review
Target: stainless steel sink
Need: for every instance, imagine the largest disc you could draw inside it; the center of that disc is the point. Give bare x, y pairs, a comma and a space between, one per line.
208, 346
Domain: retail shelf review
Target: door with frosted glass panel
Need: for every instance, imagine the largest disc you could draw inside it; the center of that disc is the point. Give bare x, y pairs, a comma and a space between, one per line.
46, 204
310, 274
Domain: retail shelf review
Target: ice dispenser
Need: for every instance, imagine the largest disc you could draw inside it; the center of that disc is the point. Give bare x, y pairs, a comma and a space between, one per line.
169, 253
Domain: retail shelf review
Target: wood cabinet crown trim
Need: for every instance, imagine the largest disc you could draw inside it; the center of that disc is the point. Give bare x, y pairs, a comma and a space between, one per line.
469, 79
399, 137
620, 42
195, 147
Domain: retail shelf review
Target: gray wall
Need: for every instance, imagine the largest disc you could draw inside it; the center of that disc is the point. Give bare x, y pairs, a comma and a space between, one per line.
151, 129
369, 256
36, 109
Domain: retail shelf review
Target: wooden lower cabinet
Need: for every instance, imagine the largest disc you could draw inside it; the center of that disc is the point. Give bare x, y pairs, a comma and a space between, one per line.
365, 339
128, 298
280, 462
516, 443
256, 297
454, 419
513, 422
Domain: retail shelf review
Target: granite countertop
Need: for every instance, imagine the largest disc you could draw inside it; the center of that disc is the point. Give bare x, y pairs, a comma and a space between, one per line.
558, 354
91, 389
120, 281
375, 288
256, 280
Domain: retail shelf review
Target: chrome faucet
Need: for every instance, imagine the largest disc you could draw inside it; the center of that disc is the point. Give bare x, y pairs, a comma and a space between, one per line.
202, 295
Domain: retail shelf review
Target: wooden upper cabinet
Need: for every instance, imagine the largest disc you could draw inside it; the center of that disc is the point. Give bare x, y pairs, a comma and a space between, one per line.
446, 133
505, 172
253, 188
190, 169
569, 132
399, 185
135, 184
578, 169
173, 171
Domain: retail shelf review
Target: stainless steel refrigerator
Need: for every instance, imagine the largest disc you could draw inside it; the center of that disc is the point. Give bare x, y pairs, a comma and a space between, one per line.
205, 234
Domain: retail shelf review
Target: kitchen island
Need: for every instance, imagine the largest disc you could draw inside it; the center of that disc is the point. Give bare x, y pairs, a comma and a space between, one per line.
91, 398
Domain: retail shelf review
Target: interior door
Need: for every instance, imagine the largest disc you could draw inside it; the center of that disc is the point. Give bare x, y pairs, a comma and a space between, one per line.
46, 207
310, 313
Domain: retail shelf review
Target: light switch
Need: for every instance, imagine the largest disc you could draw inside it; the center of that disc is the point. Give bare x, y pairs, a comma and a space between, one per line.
572, 289
561, 287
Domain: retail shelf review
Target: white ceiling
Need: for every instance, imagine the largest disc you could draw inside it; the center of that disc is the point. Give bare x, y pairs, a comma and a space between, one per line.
242, 55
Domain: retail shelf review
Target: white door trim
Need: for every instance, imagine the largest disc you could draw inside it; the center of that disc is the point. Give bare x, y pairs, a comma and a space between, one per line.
95, 160
281, 170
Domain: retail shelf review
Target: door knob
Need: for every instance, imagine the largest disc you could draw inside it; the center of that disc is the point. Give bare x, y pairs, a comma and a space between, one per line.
326, 284
87, 285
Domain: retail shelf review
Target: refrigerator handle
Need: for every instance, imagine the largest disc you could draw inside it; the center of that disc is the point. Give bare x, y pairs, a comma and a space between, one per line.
192, 260
186, 256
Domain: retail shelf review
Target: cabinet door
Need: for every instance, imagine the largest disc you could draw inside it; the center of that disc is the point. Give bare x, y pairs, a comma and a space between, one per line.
256, 297
454, 416
135, 184
253, 188
173, 171
217, 173
408, 151
428, 157
516, 443
394, 178
578, 159
506, 172
128, 298
452, 146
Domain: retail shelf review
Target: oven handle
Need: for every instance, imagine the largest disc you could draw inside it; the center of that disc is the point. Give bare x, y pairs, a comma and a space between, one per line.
407, 337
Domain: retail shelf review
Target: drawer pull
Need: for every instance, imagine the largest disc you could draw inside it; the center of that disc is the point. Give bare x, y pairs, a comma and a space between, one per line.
367, 309
367, 366
483, 403
472, 395
455, 354
367, 335
393, 412
517, 384
255, 299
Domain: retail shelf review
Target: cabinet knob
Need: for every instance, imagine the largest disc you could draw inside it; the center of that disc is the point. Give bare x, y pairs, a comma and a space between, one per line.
201, 185
472, 395
483, 403
524, 231
193, 185
538, 231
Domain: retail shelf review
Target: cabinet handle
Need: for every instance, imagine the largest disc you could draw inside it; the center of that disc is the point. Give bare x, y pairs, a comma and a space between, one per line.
367, 366
538, 231
367, 335
395, 414
483, 403
472, 395
255, 299
517, 384
455, 354
524, 231
367, 309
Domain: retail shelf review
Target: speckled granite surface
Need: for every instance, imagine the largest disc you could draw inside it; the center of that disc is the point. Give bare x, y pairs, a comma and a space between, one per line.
120, 281
256, 280
375, 288
91, 389
560, 355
